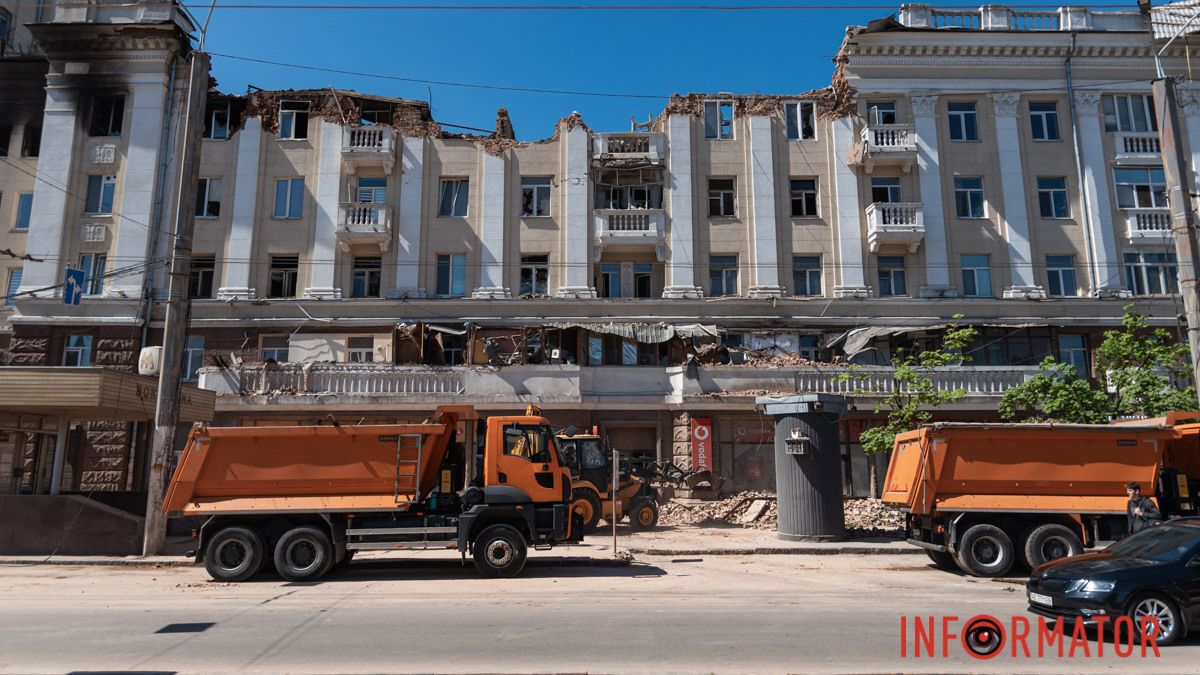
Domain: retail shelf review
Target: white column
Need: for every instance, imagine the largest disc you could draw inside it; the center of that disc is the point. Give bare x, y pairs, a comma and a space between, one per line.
574, 150
491, 225
408, 222
849, 214
929, 174
239, 247
681, 271
327, 190
764, 232
138, 187
49, 214
1099, 221
1016, 214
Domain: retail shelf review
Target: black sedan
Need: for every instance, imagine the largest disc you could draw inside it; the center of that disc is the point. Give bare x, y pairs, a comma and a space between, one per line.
1153, 573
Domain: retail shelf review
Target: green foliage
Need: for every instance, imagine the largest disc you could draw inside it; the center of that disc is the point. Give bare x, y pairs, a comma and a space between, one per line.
1057, 393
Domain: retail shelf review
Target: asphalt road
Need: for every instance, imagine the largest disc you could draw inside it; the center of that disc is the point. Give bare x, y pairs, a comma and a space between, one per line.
828, 614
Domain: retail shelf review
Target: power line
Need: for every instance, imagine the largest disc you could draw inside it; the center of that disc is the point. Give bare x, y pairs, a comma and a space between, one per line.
606, 8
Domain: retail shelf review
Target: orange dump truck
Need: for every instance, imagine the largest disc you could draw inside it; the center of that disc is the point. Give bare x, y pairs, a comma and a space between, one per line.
307, 498
983, 497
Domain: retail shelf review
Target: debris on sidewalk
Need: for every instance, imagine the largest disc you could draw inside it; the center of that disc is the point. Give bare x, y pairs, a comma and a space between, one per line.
759, 510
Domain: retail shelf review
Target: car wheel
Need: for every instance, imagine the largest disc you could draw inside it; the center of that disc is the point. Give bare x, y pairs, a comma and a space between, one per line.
587, 504
303, 554
1159, 608
1049, 542
941, 560
985, 551
499, 551
234, 554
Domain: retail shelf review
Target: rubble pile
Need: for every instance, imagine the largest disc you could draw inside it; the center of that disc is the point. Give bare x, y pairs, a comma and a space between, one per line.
759, 510
873, 518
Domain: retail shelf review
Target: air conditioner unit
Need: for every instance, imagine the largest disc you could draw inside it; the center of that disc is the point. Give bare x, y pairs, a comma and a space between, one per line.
149, 361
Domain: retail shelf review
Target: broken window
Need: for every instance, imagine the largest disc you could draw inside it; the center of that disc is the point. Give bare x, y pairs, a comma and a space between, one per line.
284, 269
718, 119
273, 348
453, 199
642, 279
200, 285
366, 275
535, 274
5, 138
608, 281
376, 113
535, 197
31, 141
801, 118
108, 115
881, 112
293, 120
208, 198
216, 121
629, 189
721, 197
360, 349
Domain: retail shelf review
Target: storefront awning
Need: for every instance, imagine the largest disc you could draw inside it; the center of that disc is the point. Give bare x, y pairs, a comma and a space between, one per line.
94, 394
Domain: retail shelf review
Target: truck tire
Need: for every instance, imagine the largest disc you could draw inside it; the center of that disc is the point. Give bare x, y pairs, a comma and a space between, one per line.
1048, 542
499, 551
941, 560
985, 551
587, 504
303, 554
234, 554
643, 513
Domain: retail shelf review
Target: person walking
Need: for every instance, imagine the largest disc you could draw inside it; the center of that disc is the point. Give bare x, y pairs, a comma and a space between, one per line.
1140, 512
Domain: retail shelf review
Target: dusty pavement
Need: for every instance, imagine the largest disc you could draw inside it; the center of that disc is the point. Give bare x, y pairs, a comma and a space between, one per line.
825, 614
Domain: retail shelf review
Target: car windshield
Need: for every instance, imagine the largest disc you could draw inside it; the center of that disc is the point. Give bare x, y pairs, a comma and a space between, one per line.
1161, 543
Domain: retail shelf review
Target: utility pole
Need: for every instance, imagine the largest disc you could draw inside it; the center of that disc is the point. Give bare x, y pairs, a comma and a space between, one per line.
1183, 216
175, 323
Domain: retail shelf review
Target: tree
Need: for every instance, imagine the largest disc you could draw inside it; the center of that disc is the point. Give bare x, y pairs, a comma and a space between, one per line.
1140, 365
914, 393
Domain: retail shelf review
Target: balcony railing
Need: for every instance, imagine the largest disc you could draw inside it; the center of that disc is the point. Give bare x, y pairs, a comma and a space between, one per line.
1138, 145
1152, 224
895, 223
643, 146
890, 137
881, 380
316, 379
369, 146
361, 223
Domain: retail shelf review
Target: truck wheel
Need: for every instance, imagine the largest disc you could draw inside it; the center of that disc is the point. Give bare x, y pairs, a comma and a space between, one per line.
941, 560
499, 552
643, 514
1050, 542
303, 554
587, 504
234, 554
985, 551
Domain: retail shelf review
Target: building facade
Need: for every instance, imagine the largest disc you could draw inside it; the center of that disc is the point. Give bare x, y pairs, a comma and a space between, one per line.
353, 260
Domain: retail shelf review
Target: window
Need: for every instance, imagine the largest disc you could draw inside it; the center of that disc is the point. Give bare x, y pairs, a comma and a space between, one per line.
527, 442
892, 282
1132, 113
801, 120
273, 348
1052, 198
360, 350
968, 197
216, 121
454, 195
885, 190
372, 190
977, 276
289, 198
1043, 118
24, 211
100, 191
14, 284
535, 197
5, 139
1060, 274
809, 347
1072, 349
31, 141
293, 120
718, 119
452, 274
208, 198
108, 113
881, 112
535, 274
193, 358
200, 285
284, 269
806, 274
721, 197
1144, 188
622, 197
804, 197
609, 280
452, 349
92, 265
963, 124
723, 275
643, 276
366, 275
78, 351
1149, 273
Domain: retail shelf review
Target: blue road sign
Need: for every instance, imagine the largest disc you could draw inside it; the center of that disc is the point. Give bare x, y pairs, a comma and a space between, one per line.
73, 287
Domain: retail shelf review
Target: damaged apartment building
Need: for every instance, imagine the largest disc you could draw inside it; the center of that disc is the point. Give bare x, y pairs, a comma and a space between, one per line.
354, 261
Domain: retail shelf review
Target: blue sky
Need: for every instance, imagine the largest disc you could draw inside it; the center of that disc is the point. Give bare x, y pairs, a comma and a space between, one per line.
654, 53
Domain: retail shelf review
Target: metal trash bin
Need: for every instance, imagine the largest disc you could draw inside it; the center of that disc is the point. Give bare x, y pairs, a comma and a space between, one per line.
808, 465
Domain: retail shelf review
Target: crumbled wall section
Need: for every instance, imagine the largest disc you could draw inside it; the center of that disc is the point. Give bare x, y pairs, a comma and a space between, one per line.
411, 119
839, 99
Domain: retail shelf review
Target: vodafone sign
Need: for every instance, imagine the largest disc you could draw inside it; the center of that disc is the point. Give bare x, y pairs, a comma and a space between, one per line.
701, 432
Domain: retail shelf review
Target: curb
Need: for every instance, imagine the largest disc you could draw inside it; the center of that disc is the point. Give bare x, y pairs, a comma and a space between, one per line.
380, 562
795, 550
97, 562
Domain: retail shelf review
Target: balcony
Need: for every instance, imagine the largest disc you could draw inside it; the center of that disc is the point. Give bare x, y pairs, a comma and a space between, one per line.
895, 223
1148, 226
364, 224
889, 145
630, 230
628, 149
1137, 147
369, 147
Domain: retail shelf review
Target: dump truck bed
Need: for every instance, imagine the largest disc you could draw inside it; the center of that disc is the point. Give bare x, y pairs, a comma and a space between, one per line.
1054, 468
226, 470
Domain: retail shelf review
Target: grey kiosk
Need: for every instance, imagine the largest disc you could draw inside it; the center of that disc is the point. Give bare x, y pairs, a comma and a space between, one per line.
808, 465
